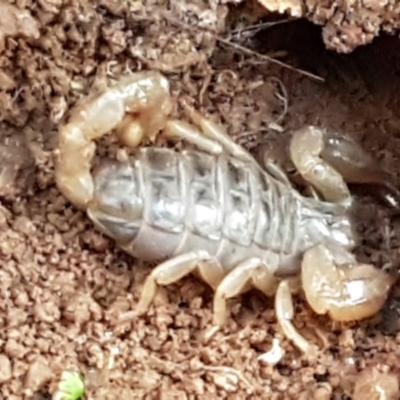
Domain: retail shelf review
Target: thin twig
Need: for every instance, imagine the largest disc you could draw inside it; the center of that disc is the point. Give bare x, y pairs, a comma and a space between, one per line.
270, 59
282, 97
260, 26
243, 49
167, 15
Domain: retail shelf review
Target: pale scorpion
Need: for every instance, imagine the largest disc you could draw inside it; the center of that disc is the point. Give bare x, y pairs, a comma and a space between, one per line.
216, 212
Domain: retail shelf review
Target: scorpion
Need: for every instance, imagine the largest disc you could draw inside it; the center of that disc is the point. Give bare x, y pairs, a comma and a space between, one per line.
214, 211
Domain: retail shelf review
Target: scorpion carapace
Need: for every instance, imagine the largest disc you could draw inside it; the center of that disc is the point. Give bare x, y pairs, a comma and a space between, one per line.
215, 211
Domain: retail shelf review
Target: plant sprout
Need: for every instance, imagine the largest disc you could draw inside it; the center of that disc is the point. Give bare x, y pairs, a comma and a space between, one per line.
71, 386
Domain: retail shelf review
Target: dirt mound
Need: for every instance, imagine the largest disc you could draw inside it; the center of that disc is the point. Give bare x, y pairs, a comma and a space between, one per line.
346, 24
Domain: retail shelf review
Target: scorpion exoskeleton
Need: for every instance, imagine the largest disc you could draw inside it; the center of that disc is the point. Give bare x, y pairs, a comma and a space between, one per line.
218, 213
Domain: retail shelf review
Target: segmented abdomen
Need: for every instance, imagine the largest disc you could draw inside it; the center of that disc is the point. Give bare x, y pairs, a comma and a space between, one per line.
174, 203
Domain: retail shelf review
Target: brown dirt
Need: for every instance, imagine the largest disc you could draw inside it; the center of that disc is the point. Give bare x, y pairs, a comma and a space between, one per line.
346, 24
62, 283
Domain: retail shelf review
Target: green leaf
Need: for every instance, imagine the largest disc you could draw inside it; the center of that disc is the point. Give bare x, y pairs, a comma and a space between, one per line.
71, 386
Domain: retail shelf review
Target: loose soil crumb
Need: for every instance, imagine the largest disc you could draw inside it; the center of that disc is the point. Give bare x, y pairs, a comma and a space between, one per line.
373, 384
15, 22
17, 167
63, 284
346, 24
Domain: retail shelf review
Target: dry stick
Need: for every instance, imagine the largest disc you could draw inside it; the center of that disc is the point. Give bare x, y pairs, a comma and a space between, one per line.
182, 24
270, 59
261, 25
172, 19
283, 98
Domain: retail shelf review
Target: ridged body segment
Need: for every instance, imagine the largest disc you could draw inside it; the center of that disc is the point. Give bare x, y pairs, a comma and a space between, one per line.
166, 203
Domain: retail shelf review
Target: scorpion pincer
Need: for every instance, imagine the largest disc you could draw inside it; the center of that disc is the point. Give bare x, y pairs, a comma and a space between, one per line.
216, 212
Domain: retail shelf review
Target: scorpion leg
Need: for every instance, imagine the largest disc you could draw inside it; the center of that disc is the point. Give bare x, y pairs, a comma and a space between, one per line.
211, 137
346, 292
252, 272
175, 269
284, 312
179, 130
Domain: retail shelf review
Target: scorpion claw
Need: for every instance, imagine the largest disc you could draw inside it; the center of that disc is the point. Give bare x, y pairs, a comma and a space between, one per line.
347, 292
306, 147
328, 160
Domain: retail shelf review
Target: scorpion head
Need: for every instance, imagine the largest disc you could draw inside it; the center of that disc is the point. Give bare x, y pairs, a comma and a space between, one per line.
116, 207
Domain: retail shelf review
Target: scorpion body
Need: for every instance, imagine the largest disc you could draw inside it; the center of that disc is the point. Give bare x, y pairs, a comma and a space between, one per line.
174, 202
218, 213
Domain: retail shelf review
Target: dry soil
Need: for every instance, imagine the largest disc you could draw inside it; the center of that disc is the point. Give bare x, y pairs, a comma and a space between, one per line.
62, 284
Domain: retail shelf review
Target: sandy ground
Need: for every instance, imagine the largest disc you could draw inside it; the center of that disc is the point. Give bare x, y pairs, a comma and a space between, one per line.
62, 284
